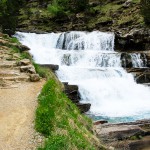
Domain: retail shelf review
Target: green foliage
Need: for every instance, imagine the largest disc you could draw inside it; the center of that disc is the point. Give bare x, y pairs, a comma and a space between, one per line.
43, 72
8, 15
60, 8
61, 122
56, 10
145, 10
61, 144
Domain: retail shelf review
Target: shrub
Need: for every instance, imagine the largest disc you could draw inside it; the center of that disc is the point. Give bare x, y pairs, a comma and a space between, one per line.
56, 10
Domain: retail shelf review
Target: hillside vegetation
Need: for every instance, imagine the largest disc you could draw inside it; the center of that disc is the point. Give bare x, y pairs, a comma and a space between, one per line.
64, 15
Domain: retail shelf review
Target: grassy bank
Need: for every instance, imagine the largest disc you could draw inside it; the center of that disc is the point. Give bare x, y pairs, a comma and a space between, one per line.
60, 121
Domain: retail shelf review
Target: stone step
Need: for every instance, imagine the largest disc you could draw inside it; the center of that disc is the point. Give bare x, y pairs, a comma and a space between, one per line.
8, 64
9, 73
19, 78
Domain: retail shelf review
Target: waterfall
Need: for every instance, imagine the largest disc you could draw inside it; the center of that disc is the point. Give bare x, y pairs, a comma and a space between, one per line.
88, 60
137, 60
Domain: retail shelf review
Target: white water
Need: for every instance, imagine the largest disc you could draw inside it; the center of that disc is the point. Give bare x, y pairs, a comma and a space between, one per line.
89, 60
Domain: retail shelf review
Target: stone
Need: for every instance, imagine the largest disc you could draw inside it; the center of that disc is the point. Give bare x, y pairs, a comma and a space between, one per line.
113, 132
127, 4
28, 69
83, 107
136, 39
24, 62
34, 77
100, 122
24, 48
3, 42
50, 66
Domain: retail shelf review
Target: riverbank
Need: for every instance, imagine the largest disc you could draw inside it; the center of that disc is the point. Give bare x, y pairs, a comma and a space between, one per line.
57, 119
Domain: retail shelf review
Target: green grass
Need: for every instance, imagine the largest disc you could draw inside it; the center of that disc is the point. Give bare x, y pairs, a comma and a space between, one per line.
58, 119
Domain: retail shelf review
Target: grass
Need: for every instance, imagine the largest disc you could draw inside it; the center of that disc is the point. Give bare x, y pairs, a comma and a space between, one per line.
58, 119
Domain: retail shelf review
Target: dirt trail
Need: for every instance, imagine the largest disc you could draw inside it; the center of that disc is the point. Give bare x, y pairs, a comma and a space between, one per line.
18, 100
17, 112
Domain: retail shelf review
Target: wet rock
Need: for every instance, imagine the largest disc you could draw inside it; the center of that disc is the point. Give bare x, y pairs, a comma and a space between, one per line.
72, 92
100, 122
34, 77
28, 69
83, 107
126, 60
50, 66
143, 78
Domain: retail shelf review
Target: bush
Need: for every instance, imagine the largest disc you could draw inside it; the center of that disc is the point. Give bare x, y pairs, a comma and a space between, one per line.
56, 10
145, 10
60, 8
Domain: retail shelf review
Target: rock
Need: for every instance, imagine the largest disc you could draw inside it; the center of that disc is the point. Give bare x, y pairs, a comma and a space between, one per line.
127, 4
126, 60
34, 77
100, 122
83, 107
72, 92
143, 78
51, 66
28, 69
23, 48
136, 39
24, 62
3, 42
115, 132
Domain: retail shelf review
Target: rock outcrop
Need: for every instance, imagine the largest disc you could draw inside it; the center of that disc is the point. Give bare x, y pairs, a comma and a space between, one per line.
131, 135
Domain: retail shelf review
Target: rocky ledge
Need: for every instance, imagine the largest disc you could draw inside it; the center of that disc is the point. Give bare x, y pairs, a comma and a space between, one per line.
129, 136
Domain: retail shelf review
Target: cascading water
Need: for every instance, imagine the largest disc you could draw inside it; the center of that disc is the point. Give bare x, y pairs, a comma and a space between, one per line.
89, 61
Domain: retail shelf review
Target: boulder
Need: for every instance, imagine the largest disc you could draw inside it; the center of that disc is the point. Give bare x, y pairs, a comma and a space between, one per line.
28, 69
23, 48
24, 62
83, 107
34, 77
50, 66
72, 92
115, 132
